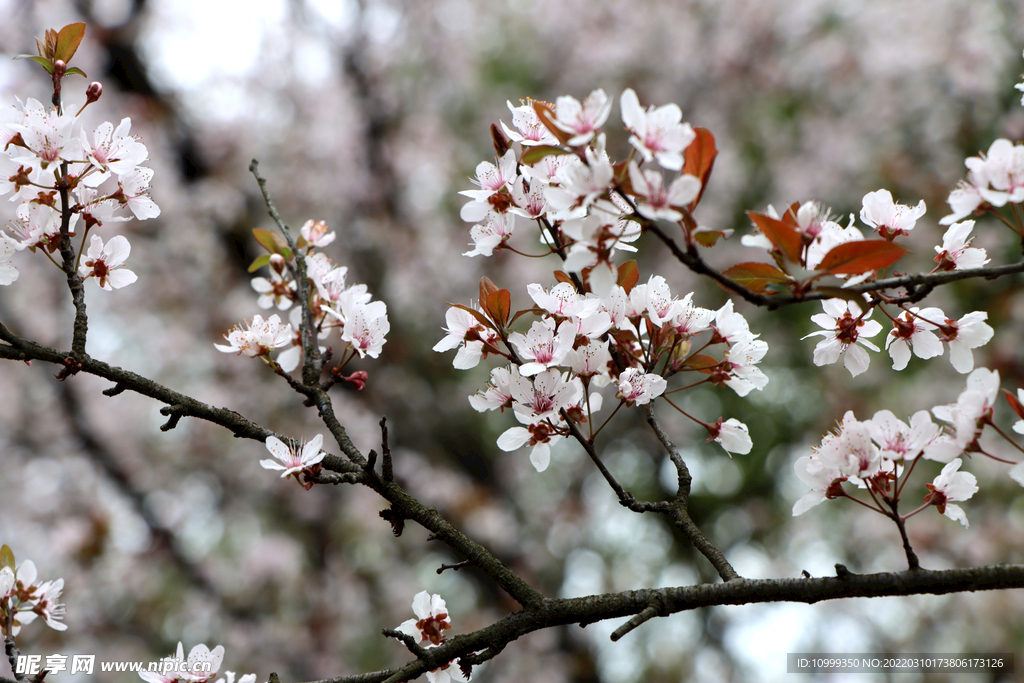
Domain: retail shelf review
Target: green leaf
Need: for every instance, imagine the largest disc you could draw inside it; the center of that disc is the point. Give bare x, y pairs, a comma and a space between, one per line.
68, 40
47, 64
270, 241
854, 258
756, 276
261, 260
534, 154
783, 237
6, 557
75, 71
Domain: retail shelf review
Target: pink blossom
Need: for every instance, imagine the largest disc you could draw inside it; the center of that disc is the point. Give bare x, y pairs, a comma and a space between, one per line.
956, 252
888, 218
293, 459
843, 328
913, 330
104, 262
952, 485
655, 200
657, 132
431, 622
638, 387
529, 128
965, 334
582, 120
542, 346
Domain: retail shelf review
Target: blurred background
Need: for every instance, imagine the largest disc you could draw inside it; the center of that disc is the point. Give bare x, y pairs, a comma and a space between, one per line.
371, 115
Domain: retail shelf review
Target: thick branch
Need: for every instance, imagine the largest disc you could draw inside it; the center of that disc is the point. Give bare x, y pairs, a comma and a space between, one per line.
24, 350
673, 600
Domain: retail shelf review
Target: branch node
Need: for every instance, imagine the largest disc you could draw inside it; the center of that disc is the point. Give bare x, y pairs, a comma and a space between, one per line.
395, 518
174, 413
842, 572
71, 367
387, 466
115, 390
371, 462
457, 566
653, 609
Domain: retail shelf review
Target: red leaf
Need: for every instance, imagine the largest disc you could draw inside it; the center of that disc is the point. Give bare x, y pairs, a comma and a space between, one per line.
1014, 403
629, 274
854, 258
562, 276
701, 362
756, 276
545, 116
499, 303
786, 239
698, 159
486, 287
476, 314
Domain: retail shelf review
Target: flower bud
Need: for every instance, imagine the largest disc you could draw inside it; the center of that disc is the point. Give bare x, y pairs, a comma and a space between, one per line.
93, 92
277, 263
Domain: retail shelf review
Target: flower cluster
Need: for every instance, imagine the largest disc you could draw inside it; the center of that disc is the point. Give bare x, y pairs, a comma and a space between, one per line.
47, 153
585, 341
334, 304
23, 599
880, 454
428, 629
597, 326
564, 180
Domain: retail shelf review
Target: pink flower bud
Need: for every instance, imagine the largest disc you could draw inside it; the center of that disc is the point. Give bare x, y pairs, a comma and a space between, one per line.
93, 92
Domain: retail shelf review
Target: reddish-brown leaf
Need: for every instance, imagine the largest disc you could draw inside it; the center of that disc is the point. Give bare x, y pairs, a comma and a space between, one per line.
545, 116
756, 276
854, 258
499, 304
481, 318
785, 238
562, 276
486, 287
629, 274
1014, 403
68, 40
701, 362
698, 160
